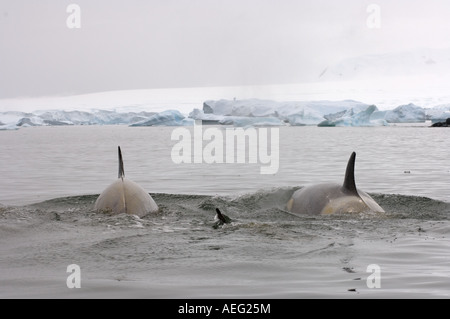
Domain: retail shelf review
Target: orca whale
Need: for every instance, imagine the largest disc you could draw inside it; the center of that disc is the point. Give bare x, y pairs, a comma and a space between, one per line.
330, 198
125, 196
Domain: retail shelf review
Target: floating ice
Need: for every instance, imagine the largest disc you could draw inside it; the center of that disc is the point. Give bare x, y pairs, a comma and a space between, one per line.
210, 118
406, 114
91, 118
439, 113
7, 127
243, 121
166, 118
294, 113
353, 117
239, 121
251, 112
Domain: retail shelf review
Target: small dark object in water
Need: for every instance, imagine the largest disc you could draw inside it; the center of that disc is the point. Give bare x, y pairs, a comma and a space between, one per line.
348, 269
442, 124
221, 219
352, 289
220, 216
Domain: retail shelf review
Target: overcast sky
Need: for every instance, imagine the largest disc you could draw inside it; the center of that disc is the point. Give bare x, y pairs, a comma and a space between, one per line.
139, 44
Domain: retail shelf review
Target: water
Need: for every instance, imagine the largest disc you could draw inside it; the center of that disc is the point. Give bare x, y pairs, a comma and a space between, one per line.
51, 177
43, 163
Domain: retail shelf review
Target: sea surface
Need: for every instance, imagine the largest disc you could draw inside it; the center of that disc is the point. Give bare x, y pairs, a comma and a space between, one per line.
51, 177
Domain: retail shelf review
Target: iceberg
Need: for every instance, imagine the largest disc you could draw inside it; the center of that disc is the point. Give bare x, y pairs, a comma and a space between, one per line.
25, 122
304, 116
7, 127
241, 113
67, 117
207, 118
15, 120
295, 113
409, 113
353, 117
244, 121
378, 116
238, 121
439, 113
166, 118
91, 118
13, 117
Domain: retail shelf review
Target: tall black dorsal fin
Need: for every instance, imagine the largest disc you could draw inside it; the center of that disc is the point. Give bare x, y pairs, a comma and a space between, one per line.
121, 171
349, 181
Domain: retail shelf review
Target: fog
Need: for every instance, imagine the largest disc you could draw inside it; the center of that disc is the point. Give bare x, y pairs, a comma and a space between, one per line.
136, 44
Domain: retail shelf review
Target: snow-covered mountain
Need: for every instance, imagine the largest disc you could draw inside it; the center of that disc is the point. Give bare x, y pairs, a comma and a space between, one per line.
419, 62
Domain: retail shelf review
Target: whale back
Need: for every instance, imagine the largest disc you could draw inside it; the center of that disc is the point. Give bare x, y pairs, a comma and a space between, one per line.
329, 198
125, 196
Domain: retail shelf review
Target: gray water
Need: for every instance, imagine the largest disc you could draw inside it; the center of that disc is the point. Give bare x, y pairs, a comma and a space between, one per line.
51, 177
43, 163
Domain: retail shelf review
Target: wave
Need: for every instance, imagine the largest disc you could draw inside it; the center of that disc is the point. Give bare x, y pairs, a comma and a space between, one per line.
180, 251
262, 205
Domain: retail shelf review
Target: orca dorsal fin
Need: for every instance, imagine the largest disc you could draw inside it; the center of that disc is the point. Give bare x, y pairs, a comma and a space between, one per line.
121, 171
349, 181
